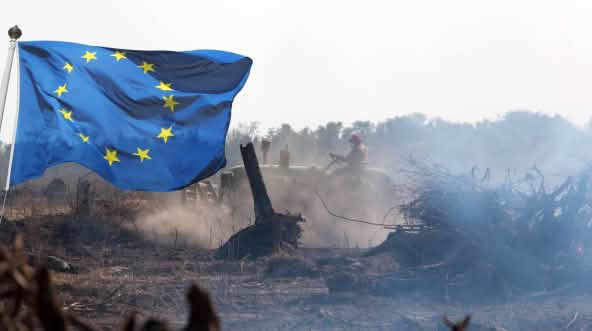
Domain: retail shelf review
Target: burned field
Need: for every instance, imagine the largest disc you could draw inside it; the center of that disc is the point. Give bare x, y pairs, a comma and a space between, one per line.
118, 273
514, 256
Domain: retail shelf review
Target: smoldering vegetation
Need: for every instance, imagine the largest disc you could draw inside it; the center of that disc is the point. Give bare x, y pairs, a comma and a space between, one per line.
469, 240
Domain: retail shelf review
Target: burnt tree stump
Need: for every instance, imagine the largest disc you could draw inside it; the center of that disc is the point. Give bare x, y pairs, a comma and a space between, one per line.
272, 232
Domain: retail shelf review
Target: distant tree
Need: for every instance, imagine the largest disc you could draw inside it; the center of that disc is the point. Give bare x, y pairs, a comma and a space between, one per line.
363, 128
242, 134
328, 137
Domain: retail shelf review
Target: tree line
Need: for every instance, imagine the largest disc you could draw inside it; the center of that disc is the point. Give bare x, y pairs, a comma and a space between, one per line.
517, 141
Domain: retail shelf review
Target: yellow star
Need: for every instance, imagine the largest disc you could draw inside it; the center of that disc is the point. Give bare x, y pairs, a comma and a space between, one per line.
83, 137
68, 67
111, 156
67, 115
165, 134
143, 154
88, 56
169, 102
119, 55
147, 67
61, 89
164, 86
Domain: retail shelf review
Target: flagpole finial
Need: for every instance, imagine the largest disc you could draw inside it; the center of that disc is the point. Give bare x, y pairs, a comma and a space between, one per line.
15, 33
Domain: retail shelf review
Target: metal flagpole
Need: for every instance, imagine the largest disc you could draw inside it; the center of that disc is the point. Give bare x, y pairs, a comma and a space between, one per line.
14, 33
16, 116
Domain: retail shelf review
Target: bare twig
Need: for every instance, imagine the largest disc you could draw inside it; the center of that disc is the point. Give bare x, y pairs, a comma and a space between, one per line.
388, 212
573, 320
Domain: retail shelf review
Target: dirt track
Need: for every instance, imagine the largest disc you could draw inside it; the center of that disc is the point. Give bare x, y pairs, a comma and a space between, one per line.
119, 273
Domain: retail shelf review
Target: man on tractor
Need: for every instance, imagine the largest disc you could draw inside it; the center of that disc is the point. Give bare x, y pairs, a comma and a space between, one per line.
355, 160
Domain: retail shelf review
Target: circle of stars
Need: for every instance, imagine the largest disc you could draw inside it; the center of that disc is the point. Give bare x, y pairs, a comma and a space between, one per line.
169, 102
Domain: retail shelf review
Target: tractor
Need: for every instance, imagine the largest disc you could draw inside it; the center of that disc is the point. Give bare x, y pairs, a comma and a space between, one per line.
310, 189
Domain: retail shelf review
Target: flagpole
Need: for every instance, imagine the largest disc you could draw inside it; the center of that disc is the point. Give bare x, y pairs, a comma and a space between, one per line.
14, 33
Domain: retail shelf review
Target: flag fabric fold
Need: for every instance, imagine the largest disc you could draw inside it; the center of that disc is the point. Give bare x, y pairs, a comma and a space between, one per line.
142, 120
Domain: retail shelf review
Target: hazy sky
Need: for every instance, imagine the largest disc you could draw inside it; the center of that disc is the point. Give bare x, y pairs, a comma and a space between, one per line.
316, 61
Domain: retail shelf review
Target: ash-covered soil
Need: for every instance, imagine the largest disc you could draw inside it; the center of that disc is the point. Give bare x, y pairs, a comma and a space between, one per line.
119, 272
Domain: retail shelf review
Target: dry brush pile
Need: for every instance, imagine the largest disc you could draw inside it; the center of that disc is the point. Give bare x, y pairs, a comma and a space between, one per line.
465, 236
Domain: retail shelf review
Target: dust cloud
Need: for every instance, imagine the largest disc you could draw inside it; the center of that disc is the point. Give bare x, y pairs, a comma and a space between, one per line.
209, 224
193, 223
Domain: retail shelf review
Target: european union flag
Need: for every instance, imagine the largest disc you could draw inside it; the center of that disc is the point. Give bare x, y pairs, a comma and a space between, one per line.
143, 120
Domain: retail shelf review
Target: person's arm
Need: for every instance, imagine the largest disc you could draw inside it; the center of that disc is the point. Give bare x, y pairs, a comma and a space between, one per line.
337, 157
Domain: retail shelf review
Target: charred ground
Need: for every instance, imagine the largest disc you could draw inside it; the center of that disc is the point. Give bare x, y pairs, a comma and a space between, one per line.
121, 273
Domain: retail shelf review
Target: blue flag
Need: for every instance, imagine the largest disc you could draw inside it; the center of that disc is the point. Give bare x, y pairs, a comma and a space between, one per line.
142, 120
